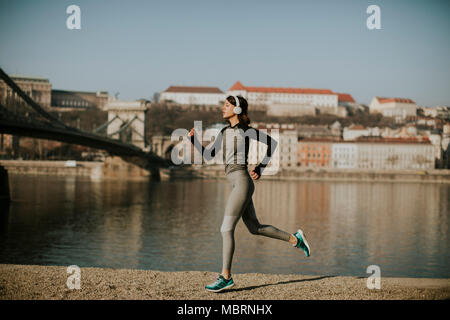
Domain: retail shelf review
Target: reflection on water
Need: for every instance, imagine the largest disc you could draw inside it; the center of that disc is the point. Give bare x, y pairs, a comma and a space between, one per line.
175, 225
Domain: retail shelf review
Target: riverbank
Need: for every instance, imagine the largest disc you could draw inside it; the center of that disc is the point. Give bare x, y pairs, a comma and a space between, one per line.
116, 168
343, 175
50, 282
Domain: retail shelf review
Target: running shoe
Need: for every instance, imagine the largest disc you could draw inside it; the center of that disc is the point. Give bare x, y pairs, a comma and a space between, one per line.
301, 242
220, 284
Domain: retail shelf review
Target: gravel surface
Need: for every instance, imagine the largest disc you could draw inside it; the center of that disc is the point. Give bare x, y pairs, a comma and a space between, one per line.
50, 282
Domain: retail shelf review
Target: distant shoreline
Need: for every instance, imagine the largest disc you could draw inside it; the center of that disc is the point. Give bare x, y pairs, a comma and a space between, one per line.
98, 171
31, 282
344, 175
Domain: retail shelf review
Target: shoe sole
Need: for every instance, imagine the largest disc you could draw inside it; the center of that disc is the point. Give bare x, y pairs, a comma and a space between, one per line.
304, 241
218, 290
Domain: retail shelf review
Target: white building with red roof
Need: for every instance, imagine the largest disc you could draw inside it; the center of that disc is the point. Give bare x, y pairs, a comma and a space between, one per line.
291, 101
347, 103
399, 108
354, 131
383, 153
193, 95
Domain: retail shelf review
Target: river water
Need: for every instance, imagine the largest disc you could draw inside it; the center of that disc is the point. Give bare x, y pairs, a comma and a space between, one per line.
175, 225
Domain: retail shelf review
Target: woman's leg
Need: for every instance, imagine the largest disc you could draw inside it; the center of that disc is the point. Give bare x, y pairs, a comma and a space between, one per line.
251, 221
237, 201
253, 225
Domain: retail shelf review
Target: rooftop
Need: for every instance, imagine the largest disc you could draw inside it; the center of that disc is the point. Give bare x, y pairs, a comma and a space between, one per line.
193, 89
400, 100
69, 92
28, 78
239, 86
345, 97
356, 127
370, 139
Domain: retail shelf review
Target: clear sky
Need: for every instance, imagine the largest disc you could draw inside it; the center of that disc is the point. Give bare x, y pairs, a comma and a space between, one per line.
141, 47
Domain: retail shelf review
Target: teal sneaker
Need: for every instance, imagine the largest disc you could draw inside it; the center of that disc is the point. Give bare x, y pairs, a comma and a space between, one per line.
302, 243
220, 284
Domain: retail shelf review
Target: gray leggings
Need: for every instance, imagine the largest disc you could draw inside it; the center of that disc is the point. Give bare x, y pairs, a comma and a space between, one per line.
239, 204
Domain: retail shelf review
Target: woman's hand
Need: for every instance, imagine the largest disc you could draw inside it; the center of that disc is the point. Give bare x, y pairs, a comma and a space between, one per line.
255, 173
191, 133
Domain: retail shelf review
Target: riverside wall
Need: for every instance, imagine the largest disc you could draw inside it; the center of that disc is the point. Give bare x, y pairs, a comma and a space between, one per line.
303, 174
111, 168
116, 168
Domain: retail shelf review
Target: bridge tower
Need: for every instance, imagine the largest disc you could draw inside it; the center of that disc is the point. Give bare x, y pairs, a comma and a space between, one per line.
126, 121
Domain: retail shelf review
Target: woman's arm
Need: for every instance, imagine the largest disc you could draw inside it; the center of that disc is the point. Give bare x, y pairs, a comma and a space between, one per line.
209, 153
271, 146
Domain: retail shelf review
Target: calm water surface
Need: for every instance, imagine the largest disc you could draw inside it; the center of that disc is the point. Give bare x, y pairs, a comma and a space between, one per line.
175, 225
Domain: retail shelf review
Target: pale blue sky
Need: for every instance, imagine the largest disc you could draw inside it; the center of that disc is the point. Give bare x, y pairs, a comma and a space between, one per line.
141, 47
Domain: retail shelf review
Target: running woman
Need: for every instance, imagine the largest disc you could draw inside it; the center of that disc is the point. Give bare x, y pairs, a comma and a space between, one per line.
240, 203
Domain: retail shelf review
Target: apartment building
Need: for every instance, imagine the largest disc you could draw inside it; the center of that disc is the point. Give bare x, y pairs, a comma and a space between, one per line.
292, 101
366, 153
39, 89
193, 95
285, 154
314, 152
398, 108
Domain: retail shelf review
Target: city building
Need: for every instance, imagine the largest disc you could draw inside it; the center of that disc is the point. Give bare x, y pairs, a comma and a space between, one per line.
406, 131
445, 145
346, 100
79, 99
342, 111
336, 129
307, 131
6, 144
442, 112
344, 155
355, 130
427, 121
286, 153
289, 101
39, 89
366, 153
436, 140
314, 152
398, 108
185, 95
394, 153
347, 105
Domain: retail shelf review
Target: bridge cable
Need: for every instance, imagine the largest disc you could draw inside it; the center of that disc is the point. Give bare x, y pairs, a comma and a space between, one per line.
105, 125
124, 127
30, 101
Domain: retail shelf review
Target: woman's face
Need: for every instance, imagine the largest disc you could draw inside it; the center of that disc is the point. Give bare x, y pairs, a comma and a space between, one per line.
227, 110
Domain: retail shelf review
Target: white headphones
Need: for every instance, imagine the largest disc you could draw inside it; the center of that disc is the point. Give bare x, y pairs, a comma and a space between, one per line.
237, 109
